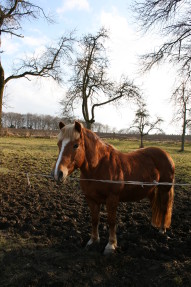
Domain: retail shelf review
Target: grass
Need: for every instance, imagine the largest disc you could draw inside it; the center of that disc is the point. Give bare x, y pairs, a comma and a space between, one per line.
23, 155
27, 155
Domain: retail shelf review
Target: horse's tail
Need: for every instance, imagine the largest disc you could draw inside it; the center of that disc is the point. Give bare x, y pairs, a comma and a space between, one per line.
162, 204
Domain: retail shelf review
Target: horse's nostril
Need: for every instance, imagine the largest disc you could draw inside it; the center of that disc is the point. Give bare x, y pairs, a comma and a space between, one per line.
60, 175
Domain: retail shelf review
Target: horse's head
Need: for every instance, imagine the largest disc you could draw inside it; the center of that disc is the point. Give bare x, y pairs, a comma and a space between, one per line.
71, 150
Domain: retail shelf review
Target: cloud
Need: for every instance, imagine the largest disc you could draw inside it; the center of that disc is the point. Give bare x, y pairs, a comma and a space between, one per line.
121, 44
39, 96
125, 44
34, 41
9, 46
69, 5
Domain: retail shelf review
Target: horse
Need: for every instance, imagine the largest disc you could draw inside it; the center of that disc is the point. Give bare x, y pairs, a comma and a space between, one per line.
104, 172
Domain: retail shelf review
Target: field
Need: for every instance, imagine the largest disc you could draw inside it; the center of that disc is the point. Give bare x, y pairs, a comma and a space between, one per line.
44, 227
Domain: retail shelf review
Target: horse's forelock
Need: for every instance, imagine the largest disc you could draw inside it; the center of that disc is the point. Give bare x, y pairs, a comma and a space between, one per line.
68, 132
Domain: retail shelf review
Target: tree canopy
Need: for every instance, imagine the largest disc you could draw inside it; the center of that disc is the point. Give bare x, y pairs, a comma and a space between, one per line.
172, 19
90, 85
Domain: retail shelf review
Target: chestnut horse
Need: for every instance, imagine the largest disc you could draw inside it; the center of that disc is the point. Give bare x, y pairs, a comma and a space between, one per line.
97, 160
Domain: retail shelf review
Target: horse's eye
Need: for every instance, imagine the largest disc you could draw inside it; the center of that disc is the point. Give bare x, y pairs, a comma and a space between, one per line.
75, 146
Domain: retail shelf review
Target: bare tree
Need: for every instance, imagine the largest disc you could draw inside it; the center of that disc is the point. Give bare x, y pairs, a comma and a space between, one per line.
46, 65
143, 123
89, 85
181, 98
173, 20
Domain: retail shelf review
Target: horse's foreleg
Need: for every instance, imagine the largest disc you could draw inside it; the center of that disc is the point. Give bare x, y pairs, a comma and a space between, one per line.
111, 205
94, 210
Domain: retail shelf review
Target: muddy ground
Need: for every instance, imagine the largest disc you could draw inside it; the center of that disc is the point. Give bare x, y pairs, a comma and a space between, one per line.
44, 230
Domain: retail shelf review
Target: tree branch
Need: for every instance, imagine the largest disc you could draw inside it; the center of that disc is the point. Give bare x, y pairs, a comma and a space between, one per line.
46, 65
11, 17
172, 19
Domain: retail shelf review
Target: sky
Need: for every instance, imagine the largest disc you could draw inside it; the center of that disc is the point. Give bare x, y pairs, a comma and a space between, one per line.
125, 45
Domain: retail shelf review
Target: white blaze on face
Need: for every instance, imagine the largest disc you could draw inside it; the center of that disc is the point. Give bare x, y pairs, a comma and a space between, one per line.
64, 143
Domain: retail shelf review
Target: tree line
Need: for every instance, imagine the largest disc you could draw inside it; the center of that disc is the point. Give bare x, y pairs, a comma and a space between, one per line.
29, 121
45, 122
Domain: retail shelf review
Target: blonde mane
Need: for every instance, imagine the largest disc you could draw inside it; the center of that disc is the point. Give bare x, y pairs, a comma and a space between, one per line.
68, 132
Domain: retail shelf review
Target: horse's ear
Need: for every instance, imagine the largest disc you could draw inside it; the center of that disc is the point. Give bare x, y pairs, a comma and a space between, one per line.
61, 125
78, 126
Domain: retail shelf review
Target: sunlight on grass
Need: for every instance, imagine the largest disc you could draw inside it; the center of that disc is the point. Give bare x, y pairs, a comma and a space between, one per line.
38, 154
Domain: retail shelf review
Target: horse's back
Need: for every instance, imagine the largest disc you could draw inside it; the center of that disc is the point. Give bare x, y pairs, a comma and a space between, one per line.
146, 164
161, 159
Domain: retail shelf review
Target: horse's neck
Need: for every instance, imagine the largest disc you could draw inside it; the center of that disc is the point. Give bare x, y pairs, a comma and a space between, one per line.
95, 150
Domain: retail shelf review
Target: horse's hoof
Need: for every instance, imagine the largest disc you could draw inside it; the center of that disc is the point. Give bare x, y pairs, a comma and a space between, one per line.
92, 242
109, 252
164, 235
110, 249
162, 231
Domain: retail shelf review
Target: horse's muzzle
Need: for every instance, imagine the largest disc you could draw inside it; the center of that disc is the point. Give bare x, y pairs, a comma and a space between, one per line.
60, 176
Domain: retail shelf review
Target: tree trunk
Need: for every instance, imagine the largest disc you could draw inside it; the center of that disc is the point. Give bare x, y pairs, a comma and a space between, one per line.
183, 140
184, 130
141, 145
85, 112
88, 125
2, 85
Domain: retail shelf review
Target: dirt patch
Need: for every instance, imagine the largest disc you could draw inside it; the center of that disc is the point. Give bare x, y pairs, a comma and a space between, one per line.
44, 230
